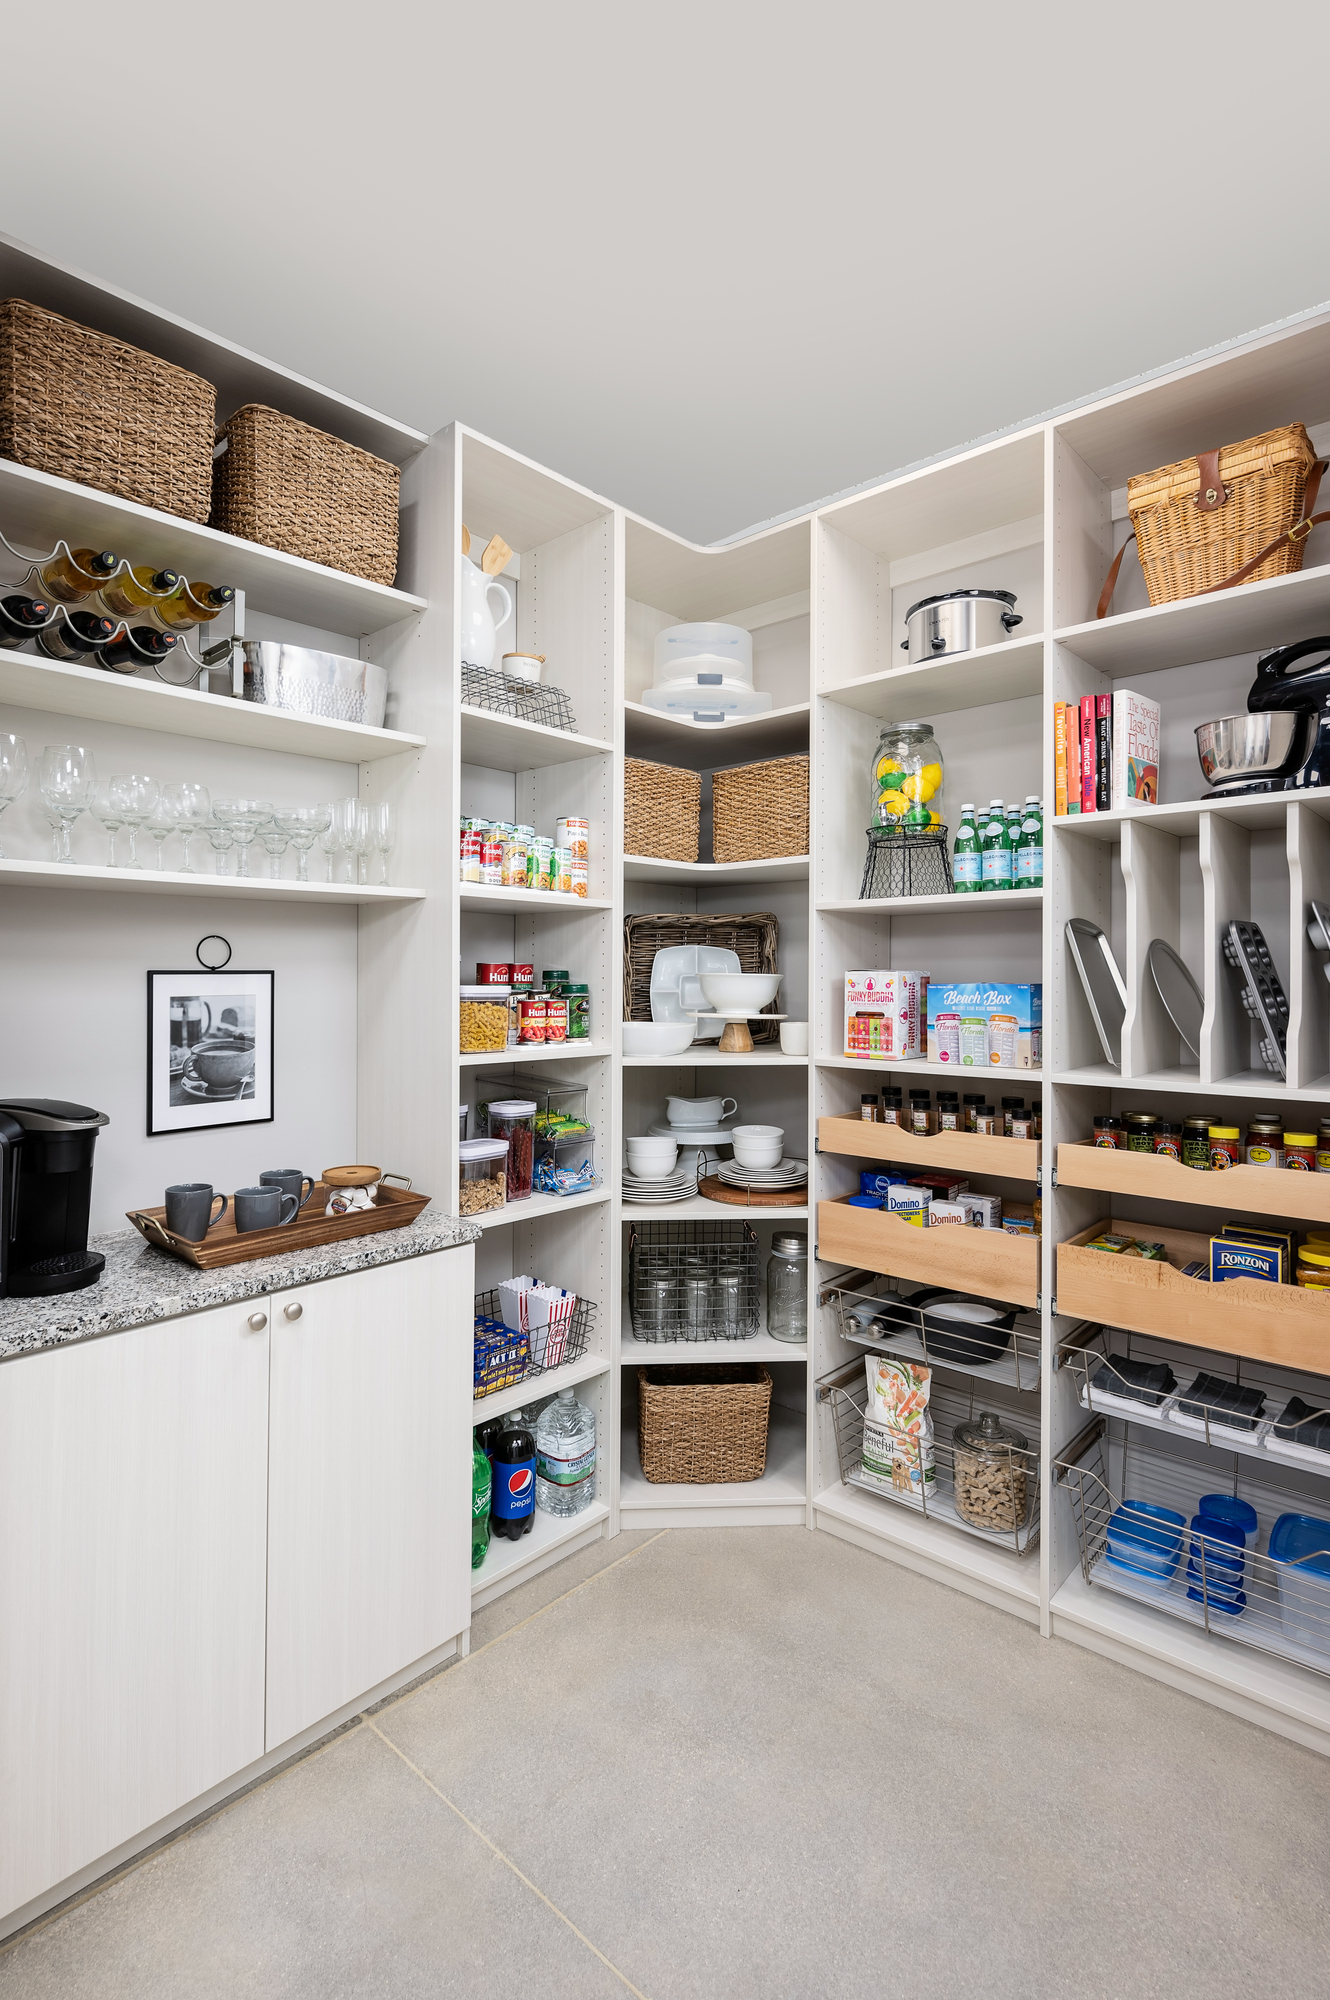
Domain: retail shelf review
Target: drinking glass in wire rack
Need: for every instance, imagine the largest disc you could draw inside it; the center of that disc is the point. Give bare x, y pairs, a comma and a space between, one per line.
694, 1281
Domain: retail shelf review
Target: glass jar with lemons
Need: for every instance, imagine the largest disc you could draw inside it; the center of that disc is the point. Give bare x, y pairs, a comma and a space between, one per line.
906, 778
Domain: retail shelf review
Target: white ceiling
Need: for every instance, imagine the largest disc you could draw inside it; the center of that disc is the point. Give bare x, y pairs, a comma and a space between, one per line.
714, 260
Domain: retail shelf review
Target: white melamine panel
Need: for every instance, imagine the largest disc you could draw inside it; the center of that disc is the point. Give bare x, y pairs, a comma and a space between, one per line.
851, 609
1308, 851
1161, 877
565, 611
506, 494
696, 583
133, 1475
978, 490
369, 1481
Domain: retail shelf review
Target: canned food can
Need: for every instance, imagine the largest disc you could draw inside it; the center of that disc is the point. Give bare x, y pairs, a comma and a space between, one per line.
521, 975
531, 1020
574, 834
561, 878
538, 863
469, 866
578, 877
556, 1018
491, 862
493, 975
514, 862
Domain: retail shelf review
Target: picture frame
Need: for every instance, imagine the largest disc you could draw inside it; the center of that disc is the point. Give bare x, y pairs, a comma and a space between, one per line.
210, 1050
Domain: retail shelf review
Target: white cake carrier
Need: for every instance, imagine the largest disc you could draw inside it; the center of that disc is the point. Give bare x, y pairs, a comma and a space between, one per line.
706, 672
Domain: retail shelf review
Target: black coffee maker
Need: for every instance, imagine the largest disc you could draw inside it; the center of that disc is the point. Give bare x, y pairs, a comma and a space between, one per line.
45, 1194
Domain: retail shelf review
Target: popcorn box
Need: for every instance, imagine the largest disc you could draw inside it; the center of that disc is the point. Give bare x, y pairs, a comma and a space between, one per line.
884, 1015
985, 1027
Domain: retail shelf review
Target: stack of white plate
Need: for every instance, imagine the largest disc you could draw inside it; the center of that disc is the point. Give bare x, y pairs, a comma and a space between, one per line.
789, 1174
678, 1186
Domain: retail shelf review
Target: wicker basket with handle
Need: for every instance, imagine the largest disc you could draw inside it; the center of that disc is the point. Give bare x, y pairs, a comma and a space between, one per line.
83, 406
703, 1426
292, 487
661, 810
1237, 515
759, 812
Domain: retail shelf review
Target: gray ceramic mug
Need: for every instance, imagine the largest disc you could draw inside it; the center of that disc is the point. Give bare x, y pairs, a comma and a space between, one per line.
189, 1210
291, 1181
263, 1208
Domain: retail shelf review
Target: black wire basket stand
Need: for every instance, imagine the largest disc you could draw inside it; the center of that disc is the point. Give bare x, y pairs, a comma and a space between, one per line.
906, 861
523, 701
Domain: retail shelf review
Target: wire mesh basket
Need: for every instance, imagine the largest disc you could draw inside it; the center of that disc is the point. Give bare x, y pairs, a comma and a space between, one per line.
694, 1281
875, 1314
905, 863
524, 701
504, 1357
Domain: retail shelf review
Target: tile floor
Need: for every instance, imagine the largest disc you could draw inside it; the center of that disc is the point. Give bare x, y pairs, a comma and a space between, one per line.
734, 1765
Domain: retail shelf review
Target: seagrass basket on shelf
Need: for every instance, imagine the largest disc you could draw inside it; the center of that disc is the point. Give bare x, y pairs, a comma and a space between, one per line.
752, 938
759, 812
291, 487
85, 407
703, 1426
661, 810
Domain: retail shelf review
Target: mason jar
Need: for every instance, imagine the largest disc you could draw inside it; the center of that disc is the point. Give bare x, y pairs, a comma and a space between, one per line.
905, 782
787, 1286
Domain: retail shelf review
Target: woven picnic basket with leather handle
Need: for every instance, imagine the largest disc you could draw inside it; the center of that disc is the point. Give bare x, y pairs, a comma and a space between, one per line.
1236, 515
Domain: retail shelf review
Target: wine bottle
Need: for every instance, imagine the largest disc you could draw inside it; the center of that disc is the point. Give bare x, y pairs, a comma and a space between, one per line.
136, 588
77, 633
192, 604
77, 573
20, 617
148, 644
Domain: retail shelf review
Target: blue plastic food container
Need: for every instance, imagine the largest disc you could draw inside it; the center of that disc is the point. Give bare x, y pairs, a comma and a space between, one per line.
1300, 1551
1224, 1507
1218, 1580
1145, 1539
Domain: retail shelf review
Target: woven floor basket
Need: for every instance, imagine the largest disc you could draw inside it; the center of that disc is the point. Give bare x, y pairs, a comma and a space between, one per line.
661, 808
760, 811
85, 407
1184, 550
703, 1426
291, 487
752, 938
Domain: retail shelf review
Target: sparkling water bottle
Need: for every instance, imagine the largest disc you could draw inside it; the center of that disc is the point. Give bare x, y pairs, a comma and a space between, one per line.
565, 1456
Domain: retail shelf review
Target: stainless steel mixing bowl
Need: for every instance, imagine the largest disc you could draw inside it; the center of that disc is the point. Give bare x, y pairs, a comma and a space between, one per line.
1246, 746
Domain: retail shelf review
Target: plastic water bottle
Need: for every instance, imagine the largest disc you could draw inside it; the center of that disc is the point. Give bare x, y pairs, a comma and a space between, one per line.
565, 1456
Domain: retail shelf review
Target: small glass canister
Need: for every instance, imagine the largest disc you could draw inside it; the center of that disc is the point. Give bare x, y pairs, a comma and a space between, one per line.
514, 1120
991, 1484
787, 1286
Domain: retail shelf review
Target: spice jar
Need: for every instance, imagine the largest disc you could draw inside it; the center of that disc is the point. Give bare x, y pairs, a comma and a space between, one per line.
1037, 1118
868, 1111
579, 1012
905, 782
482, 1019
1314, 1267
1168, 1139
990, 1483
948, 1111
1196, 1139
921, 1113
1300, 1151
481, 1175
1108, 1130
985, 1120
1010, 1107
1265, 1141
1323, 1148
970, 1109
1224, 1146
1140, 1128
891, 1105
514, 1119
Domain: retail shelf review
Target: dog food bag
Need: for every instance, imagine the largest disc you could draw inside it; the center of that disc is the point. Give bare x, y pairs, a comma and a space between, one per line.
898, 1431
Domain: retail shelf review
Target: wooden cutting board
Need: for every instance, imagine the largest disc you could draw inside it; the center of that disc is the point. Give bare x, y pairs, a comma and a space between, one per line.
222, 1245
716, 1189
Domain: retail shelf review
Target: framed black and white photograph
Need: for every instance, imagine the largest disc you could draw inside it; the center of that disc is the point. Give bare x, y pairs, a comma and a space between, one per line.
209, 1050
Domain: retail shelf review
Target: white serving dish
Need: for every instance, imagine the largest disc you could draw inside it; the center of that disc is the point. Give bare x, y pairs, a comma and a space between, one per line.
657, 1038
744, 993
676, 991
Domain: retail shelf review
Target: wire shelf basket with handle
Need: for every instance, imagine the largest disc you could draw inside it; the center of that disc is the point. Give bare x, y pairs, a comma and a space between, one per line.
523, 701
503, 1357
694, 1281
874, 1312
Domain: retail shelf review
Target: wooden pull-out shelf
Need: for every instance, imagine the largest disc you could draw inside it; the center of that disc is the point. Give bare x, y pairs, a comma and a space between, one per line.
988, 1262
1237, 1191
1281, 1323
952, 1152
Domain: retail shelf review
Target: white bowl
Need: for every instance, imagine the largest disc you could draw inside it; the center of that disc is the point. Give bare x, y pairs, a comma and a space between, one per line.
657, 1038
794, 1038
758, 1145
651, 1159
728, 992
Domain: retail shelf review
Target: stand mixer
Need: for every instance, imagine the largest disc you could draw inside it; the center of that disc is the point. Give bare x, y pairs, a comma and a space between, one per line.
1282, 743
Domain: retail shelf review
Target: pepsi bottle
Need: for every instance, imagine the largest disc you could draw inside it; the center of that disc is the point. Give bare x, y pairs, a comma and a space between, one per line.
513, 1503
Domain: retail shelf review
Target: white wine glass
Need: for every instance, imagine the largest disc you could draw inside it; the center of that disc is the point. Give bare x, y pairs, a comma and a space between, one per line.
162, 823
193, 809
110, 819
13, 772
275, 840
136, 796
68, 786
304, 824
221, 840
244, 817
383, 822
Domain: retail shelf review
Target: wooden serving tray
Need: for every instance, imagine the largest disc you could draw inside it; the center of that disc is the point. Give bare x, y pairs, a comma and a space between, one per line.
716, 1189
222, 1245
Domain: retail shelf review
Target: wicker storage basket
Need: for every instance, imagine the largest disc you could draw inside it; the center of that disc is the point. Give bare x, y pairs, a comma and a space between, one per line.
661, 809
291, 487
85, 407
760, 811
1202, 524
703, 1426
752, 938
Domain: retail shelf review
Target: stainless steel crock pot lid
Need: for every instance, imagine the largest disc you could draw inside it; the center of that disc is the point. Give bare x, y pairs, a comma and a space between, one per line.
946, 596
53, 1114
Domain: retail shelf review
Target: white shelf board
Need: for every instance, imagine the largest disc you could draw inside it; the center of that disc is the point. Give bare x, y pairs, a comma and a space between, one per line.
777, 1497
146, 881
537, 1205
987, 486
507, 1562
584, 1369
1249, 619
646, 868
1005, 672
931, 1545
701, 1056
692, 582
502, 743
709, 746
698, 1209
36, 509
1257, 809
475, 896
28, 681
993, 1079
903, 906
1248, 1083
540, 1052
655, 1353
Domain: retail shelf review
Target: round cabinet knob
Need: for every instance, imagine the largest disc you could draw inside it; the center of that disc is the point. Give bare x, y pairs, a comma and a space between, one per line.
257, 1322
292, 1312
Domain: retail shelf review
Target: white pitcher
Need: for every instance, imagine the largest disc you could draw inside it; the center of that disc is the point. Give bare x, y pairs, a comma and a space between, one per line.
479, 625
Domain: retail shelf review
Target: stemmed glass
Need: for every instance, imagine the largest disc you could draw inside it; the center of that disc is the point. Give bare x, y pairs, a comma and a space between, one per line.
68, 785
13, 772
110, 818
304, 824
361, 843
244, 817
163, 823
276, 840
193, 809
339, 837
221, 841
383, 824
136, 798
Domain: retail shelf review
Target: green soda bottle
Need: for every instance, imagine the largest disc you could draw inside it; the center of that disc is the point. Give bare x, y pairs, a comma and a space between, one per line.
482, 1474
995, 854
1030, 847
966, 861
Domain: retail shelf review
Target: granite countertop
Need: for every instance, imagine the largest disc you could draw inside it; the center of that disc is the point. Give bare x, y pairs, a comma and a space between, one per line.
141, 1284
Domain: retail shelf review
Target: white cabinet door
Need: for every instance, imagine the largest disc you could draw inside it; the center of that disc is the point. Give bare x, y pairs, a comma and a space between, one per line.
133, 1478
369, 1481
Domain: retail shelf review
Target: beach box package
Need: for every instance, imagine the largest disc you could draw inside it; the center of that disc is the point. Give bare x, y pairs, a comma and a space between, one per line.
985, 1027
